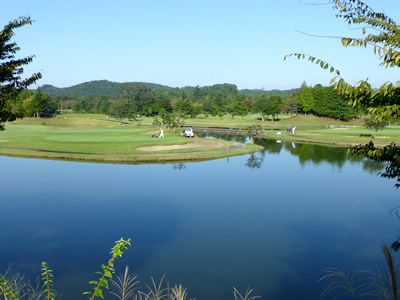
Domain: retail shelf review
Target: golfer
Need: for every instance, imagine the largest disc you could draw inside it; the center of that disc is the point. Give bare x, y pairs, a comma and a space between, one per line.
161, 133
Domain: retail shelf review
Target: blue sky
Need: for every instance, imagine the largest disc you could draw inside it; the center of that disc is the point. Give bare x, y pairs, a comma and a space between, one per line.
191, 42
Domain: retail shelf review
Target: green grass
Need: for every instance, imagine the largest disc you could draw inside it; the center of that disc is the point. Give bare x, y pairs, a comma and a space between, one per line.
90, 135
98, 135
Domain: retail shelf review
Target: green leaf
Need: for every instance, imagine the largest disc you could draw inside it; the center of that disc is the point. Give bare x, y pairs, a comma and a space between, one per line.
99, 293
108, 274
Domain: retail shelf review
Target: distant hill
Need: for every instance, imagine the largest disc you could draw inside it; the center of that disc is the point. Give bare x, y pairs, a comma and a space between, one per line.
282, 93
99, 88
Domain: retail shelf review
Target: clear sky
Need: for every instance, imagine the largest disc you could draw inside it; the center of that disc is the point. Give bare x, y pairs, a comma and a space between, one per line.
191, 42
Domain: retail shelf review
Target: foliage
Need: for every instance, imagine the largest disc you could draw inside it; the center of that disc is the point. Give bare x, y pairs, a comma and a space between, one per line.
374, 123
261, 105
47, 277
239, 108
139, 97
41, 106
11, 83
7, 290
116, 252
119, 110
183, 107
388, 154
254, 130
290, 106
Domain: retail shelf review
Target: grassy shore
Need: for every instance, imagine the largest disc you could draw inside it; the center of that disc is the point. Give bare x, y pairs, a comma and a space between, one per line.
100, 138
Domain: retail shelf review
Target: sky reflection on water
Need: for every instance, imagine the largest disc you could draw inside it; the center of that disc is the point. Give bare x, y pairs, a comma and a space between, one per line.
208, 225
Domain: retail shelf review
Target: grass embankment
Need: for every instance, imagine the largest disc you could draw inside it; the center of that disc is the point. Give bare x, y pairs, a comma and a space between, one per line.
95, 138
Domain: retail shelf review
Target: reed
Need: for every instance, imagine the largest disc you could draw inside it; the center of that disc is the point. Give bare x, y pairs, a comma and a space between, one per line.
125, 285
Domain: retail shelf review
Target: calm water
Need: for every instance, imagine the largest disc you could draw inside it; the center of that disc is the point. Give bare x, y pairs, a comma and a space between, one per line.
273, 222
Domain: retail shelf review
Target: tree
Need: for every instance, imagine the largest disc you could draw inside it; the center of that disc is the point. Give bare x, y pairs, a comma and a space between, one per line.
239, 108
290, 106
41, 106
139, 97
183, 107
11, 83
77, 107
384, 38
261, 105
253, 131
274, 106
119, 110
306, 99
214, 110
374, 123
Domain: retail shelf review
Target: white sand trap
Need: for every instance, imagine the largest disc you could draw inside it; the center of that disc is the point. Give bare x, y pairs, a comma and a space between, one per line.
197, 143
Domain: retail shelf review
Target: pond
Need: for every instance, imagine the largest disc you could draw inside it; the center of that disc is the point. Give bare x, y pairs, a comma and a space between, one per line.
272, 221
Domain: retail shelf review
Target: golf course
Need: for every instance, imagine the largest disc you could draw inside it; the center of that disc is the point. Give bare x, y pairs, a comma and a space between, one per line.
95, 137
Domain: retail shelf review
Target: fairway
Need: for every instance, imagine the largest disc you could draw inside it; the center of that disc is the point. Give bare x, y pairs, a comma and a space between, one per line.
132, 142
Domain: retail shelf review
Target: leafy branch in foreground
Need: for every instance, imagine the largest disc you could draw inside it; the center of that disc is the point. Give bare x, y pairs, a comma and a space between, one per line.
7, 290
116, 252
11, 68
383, 34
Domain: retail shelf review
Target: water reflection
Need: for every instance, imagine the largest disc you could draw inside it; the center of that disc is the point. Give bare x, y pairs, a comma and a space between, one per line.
226, 137
316, 154
254, 161
179, 166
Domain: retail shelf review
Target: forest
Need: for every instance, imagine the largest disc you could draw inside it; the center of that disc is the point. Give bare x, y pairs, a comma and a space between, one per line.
129, 100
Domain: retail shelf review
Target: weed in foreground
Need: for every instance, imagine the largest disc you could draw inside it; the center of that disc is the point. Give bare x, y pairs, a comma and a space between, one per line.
15, 287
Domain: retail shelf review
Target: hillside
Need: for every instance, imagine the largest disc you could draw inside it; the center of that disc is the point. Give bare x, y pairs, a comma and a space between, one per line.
105, 88
95, 88
283, 93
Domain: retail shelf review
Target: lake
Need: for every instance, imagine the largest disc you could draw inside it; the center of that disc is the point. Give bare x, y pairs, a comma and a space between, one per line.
273, 221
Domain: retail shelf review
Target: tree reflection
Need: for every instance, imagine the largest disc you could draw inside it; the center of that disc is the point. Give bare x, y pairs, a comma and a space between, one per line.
254, 161
178, 166
270, 146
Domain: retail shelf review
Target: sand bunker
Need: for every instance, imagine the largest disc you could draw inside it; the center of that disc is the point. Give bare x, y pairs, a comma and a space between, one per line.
3, 141
197, 143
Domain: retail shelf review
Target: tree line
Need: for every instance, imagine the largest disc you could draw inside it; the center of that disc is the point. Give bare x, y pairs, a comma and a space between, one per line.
139, 99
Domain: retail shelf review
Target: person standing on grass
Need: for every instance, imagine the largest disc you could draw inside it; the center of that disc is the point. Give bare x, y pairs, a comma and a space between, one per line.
293, 129
161, 133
